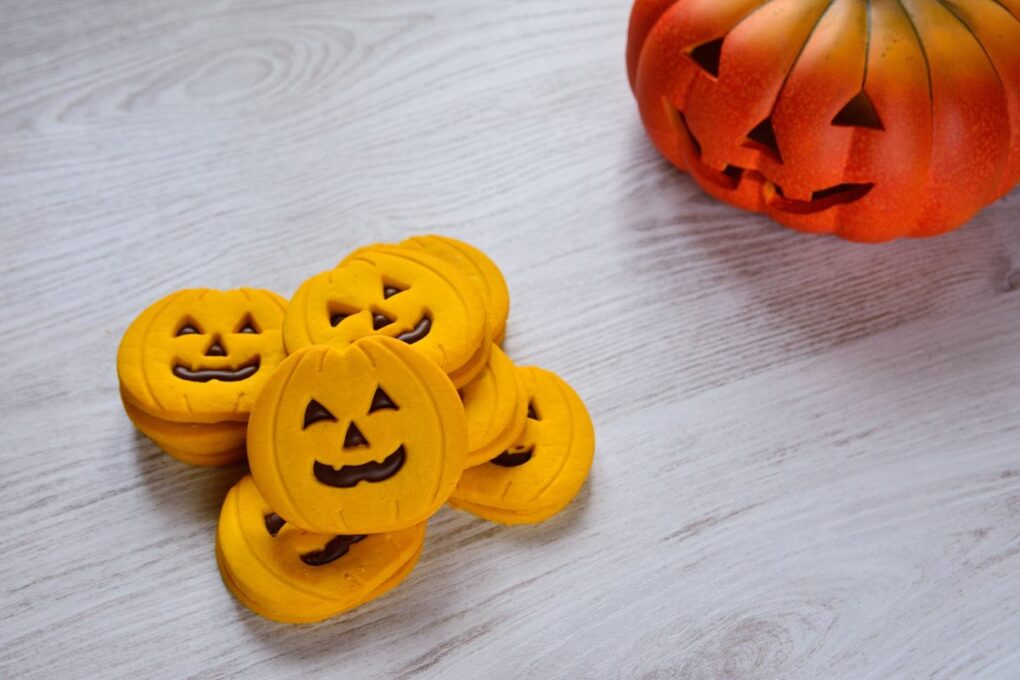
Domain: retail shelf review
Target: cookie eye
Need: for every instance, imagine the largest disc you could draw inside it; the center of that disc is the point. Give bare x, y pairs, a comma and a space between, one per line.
391, 290
532, 413
381, 401
274, 523
247, 326
315, 412
338, 312
187, 329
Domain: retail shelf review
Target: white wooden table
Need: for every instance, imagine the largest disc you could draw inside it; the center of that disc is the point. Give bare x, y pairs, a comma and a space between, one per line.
808, 457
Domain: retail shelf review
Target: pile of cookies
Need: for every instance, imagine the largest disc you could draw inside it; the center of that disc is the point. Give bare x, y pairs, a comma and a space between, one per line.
378, 393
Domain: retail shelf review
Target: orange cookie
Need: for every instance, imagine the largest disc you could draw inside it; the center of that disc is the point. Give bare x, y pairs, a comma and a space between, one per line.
290, 575
368, 439
191, 364
404, 294
544, 469
195, 443
496, 406
482, 271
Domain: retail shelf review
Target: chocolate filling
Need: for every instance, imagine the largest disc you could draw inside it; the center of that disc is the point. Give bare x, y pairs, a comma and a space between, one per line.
274, 523
418, 332
334, 550
347, 476
315, 412
225, 374
508, 459
380, 321
381, 400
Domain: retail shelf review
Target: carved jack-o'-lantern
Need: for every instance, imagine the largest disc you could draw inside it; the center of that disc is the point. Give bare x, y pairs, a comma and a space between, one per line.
368, 439
871, 120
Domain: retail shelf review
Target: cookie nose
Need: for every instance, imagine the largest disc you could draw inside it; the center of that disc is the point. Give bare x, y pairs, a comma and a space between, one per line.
216, 349
354, 437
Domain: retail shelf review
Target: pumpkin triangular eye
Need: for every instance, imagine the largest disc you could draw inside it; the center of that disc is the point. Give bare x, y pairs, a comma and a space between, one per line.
187, 329
381, 400
708, 55
859, 112
763, 138
336, 318
315, 412
391, 290
248, 326
532, 413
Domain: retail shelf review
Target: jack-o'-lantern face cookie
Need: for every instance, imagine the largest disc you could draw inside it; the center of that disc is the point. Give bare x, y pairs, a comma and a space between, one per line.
291, 575
544, 469
363, 440
496, 407
201, 355
477, 266
399, 293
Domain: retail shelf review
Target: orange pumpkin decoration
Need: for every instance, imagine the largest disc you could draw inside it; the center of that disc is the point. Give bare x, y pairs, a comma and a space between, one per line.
870, 120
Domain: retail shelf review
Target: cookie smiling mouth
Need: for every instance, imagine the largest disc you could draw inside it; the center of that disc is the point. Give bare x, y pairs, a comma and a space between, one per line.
514, 458
202, 375
347, 476
420, 330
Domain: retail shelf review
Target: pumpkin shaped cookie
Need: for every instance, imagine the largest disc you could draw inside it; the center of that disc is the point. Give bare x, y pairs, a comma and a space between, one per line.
496, 407
291, 575
477, 266
367, 439
544, 469
411, 296
191, 364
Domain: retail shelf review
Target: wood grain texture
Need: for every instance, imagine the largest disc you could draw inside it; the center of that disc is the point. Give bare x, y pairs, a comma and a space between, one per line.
808, 458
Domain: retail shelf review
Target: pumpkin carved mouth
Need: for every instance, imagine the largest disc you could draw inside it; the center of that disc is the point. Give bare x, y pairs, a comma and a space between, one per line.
347, 476
202, 375
731, 177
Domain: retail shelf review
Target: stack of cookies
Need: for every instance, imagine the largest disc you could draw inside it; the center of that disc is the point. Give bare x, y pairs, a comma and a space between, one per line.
191, 365
376, 395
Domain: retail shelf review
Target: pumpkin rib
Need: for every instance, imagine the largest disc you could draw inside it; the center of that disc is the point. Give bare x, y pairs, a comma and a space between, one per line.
1012, 94
1008, 10
931, 101
800, 53
639, 32
867, 43
927, 62
748, 16
949, 7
